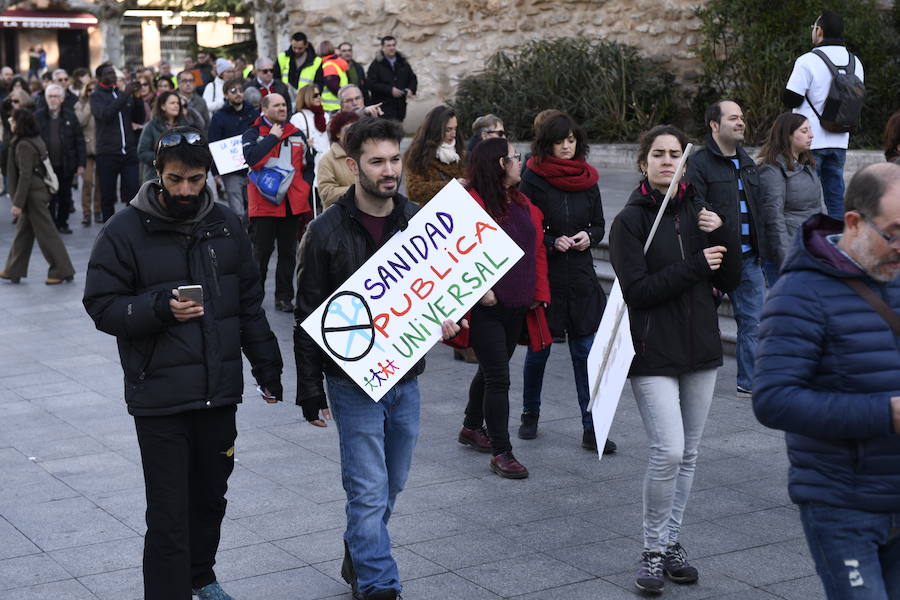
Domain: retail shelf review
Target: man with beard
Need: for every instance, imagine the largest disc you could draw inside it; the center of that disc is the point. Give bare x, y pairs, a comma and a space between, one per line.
234, 119
181, 354
376, 438
828, 373
275, 149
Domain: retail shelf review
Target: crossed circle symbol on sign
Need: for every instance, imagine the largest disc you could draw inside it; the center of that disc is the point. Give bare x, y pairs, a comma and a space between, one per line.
360, 323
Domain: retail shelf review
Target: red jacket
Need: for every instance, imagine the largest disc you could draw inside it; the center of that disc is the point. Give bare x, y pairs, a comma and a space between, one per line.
259, 147
537, 330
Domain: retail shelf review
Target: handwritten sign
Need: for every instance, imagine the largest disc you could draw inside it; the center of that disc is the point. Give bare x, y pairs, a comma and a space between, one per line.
388, 314
228, 154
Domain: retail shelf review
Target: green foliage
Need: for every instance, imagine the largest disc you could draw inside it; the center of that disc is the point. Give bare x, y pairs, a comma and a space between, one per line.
608, 88
749, 47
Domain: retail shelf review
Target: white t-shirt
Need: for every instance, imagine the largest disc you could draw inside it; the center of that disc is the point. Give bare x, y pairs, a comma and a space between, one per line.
812, 78
305, 122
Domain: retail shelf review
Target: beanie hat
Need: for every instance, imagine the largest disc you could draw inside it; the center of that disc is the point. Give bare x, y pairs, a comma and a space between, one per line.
222, 64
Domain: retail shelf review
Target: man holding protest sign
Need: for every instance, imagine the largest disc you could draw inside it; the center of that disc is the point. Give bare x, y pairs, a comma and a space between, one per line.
376, 438
232, 120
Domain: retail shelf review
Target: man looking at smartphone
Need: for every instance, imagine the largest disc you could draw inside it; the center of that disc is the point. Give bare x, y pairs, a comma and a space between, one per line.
182, 358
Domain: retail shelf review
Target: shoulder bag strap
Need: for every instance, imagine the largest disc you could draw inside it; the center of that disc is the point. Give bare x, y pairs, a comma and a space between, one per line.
892, 318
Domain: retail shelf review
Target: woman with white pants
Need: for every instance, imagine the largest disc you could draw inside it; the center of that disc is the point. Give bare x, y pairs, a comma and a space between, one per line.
675, 330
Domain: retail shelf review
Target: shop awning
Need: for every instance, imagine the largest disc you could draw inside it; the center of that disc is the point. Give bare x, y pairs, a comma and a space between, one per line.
38, 19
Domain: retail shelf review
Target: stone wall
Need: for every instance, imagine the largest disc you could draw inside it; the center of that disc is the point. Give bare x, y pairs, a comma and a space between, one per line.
444, 41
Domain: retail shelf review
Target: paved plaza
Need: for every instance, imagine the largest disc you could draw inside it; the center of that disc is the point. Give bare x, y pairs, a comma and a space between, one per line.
72, 499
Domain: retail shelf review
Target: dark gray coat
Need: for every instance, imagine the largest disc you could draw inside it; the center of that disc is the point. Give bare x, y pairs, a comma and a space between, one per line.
788, 197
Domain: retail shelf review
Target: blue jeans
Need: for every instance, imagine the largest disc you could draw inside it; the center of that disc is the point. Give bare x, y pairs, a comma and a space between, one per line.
772, 271
377, 441
857, 553
830, 167
746, 302
533, 376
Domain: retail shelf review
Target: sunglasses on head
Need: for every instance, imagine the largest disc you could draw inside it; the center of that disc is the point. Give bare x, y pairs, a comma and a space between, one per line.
171, 140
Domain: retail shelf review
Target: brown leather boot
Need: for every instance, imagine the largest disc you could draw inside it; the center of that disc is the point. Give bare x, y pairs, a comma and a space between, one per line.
505, 465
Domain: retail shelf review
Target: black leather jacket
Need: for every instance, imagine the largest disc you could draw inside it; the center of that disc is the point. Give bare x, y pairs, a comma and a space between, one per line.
334, 247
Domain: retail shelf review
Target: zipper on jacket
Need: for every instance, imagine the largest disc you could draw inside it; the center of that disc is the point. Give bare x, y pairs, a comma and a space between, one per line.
215, 270
678, 233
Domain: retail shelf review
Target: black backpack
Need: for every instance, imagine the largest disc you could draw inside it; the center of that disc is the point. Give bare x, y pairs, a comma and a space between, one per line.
846, 95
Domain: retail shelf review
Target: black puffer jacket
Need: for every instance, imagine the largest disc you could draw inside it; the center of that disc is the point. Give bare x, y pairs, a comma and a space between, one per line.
674, 325
171, 366
576, 298
335, 246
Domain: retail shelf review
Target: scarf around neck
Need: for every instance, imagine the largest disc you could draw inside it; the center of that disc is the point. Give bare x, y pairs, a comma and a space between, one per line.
447, 154
566, 175
318, 116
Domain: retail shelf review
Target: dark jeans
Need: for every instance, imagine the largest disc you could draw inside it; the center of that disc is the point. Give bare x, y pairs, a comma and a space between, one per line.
857, 553
266, 232
61, 201
187, 459
109, 168
494, 335
830, 167
533, 377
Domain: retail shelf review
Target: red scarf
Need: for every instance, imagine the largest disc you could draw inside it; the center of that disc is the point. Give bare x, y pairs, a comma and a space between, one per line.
319, 116
566, 175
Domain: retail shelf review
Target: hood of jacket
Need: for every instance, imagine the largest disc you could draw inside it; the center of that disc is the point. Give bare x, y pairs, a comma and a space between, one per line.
649, 197
813, 251
147, 201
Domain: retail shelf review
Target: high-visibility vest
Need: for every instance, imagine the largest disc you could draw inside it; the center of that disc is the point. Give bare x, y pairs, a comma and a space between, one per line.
333, 66
307, 74
247, 70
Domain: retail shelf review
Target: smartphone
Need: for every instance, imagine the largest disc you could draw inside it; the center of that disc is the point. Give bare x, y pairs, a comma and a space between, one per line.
191, 292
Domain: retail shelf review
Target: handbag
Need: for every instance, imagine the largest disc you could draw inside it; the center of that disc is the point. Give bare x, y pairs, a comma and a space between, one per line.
49, 176
274, 179
880, 306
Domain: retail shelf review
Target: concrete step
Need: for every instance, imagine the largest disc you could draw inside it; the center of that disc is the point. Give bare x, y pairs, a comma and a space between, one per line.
606, 275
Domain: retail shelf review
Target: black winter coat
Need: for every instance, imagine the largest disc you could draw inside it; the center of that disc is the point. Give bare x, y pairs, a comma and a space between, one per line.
115, 135
674, 325
381, 77
335, 246
71, 139
576, 298
170, 366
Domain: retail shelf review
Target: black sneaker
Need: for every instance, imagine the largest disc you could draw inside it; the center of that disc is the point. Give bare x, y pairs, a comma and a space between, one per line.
676, 565
348, 574
528, 428
650, 573
589, 442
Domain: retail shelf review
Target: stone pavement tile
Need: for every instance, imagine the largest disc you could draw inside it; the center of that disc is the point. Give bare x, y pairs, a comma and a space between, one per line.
91, 559
306, 583
102, 472
25, 483
305, 517
409, 564
33, 382
445, 495
712, 473
715, 503
321, 487
468, 549
623, 519
760, 566
773, 490
712, 585
19, 366
557, 532
706, 538
425, 472
601, 558
803, 588
774, 524
755, 594
250, 561
42, 451
125, 584
26, 571
81, 360
747, 442
235, 535
65, 523
430, 525
128, 506
324, 443
523, 574
57, 590
445, 586
71, 401
13, 543
593, 589
250, 494
321, 546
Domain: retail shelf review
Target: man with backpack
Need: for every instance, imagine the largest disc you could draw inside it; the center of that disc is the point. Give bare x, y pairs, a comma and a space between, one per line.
826, 86
277, 193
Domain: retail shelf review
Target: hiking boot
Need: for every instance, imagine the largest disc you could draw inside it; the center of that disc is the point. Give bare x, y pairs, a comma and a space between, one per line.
676, 565
348, 574
743, 392
650, 573
212, 591
589, 442
505, 465
475, 438
528, 428
609, 447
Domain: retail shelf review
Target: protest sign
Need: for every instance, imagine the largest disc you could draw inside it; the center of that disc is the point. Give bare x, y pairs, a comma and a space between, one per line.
388, 314
228, 154
613, 348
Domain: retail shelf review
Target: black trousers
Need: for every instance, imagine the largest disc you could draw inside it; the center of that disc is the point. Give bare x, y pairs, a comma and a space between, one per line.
187, 459
266, 232
109, 168
61, 201
494, 335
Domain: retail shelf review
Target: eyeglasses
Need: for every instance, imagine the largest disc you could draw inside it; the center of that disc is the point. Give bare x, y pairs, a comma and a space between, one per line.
171, 140
317, 95
516, 156
236, 91
893, 240
145, 84
497, 132
266, 70
814, 26
61, 79
185, 81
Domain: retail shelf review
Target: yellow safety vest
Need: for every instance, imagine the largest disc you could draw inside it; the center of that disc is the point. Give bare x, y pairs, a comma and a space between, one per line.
330, 102
307, 74
247, 70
